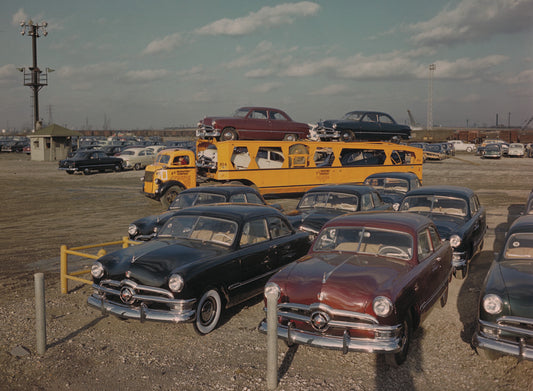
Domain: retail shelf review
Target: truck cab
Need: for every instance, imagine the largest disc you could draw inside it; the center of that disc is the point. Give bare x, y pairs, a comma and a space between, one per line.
173, 170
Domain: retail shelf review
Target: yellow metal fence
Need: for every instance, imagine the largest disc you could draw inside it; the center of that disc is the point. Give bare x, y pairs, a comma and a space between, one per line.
74, 275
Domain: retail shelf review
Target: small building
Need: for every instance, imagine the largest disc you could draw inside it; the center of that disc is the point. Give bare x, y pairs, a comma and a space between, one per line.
51, 143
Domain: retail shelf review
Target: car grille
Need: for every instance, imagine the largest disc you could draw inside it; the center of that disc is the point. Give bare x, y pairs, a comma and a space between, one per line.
148, 176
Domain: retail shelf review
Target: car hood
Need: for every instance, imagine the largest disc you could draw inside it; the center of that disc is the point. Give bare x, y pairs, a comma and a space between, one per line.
341, 280
313, 218
330, 122
151, 263
517, 277
208, 120
146, 224
447, 225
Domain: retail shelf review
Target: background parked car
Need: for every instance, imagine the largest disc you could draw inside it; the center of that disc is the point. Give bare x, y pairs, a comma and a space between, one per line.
392, 186
492, 151
137, 158
362, 125
145, 228
458, 215
516, 150
204, 260
87, 161
253, 123
505, 316
461, 146
323, 203
365, 285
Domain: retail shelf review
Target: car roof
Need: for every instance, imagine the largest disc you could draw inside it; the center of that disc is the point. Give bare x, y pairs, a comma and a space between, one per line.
400, 221
342, 187
366, 111
401, 175
259, 108
225, 190
521, 224
443, 190
236, 212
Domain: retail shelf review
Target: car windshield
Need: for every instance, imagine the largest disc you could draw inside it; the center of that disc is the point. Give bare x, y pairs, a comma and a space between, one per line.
365, 240
204, 228
519, 246
241, 113
190, 199
389, 184
329, 200
353, 116
432, 204
127, 152
492, 147
434, 148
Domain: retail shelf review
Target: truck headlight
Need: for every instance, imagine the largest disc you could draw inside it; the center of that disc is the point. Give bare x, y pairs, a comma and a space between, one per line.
97, 270
455, 241
382, 306
492, 304
176, 283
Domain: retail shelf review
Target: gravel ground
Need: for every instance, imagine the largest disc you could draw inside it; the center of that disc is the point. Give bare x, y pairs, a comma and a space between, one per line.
43, 208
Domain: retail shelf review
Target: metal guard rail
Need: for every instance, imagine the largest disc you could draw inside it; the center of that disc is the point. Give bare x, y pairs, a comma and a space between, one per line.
65, 275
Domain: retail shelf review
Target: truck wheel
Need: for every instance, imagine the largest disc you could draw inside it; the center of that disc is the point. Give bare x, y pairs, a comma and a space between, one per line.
170, 195
347, 135
208, 312
228, 134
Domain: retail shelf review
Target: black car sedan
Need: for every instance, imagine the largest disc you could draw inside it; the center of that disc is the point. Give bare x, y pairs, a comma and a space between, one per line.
392, 186
505, 317
204, 259
323, 203
458, 215
362, 125
87, 161
145, 228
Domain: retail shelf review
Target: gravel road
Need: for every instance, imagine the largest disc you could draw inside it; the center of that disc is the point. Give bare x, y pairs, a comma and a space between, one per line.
43, 208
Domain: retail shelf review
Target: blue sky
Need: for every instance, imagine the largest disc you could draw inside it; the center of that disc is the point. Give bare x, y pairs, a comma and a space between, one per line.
140, 65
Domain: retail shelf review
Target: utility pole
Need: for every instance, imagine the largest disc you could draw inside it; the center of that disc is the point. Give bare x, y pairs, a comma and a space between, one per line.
33, 76
429, 124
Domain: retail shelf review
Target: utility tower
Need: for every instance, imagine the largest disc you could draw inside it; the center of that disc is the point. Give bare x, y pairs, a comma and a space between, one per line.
429, 124
33, 76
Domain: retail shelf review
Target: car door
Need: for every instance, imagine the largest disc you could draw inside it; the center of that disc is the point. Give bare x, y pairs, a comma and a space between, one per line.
369, 127
258, 125
479, 221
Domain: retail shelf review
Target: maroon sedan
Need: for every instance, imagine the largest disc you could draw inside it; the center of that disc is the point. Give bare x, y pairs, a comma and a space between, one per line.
365, 285
253, 123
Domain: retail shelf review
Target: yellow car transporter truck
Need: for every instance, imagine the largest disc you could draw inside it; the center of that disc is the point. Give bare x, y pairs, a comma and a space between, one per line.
275, 167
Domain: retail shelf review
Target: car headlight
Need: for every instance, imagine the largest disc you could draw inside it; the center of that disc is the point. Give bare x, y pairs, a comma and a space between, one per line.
176, 283
97, 270
133, 230
382, 306
396, 206
334, 126
455, 241
213, 123
492, 304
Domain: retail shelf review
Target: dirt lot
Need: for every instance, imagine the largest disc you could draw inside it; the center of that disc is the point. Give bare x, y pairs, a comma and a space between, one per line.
43, 208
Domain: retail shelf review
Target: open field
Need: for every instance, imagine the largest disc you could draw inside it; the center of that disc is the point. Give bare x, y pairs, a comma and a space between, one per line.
43, 208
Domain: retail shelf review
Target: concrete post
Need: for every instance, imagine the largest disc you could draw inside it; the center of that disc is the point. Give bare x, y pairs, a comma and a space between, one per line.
40, 313
272, 296
63, 269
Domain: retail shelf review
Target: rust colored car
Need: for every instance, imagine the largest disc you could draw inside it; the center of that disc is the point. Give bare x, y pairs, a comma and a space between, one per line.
253, 123
365, 285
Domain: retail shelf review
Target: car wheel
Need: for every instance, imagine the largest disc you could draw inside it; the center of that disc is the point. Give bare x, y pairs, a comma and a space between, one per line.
118, 167
290, 137
468, 149
228, 134
137, 166
70, 172
396, 359
170, 195
86, 171
208, 312
347, 135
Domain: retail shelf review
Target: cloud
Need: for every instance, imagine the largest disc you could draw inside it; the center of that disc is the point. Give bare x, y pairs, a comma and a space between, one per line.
145, 76
524, 77
267, 87
259, 73
474, 20
8, 71
464, 68
166, 44
266, 17
19, 16
332, 90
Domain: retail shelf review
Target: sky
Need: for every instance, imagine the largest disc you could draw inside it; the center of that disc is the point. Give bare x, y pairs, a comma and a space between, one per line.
133, 64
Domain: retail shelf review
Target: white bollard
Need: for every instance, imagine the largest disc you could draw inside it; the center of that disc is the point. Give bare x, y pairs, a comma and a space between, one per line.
272, 296
40, 313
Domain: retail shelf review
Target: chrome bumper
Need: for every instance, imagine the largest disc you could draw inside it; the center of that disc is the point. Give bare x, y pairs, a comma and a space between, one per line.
328, 133
459, 260
207, 132
345, 343
138, 304
504, 336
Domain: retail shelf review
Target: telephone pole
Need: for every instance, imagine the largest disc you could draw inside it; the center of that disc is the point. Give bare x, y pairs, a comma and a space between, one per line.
33, 76
429, 124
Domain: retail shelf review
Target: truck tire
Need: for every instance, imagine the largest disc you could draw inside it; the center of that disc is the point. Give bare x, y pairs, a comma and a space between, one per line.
170, 195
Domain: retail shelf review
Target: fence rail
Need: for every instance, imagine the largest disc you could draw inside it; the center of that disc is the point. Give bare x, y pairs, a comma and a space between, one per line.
74, 275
